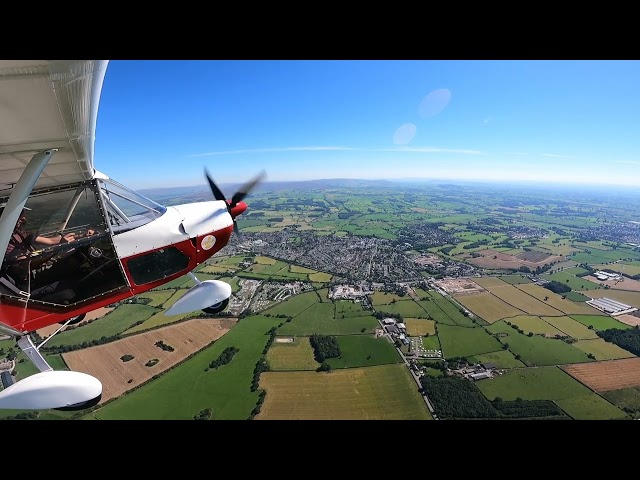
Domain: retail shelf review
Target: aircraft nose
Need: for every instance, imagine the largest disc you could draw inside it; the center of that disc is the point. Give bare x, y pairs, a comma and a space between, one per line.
238, 209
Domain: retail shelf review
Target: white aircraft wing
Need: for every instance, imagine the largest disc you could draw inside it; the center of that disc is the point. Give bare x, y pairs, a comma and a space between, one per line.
46, 104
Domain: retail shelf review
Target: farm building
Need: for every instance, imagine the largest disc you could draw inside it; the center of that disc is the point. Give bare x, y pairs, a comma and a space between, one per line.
392, 329
480, 375
600, 275
611, 307
389, 321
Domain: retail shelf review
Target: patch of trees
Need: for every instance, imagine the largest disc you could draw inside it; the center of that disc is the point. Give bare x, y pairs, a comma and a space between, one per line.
164, 346
520, 408
557, 287
127, 358
324, 346
23, 416
152, 362
457, 398
225, 357
627, 339
203, 414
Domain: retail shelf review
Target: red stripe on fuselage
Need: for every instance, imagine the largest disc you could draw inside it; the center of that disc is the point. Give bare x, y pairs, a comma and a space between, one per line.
36, 316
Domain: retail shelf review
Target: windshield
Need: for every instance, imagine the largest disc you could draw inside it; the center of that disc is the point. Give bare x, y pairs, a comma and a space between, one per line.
125, 208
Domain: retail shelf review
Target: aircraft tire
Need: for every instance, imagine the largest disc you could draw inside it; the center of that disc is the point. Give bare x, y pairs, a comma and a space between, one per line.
217, 307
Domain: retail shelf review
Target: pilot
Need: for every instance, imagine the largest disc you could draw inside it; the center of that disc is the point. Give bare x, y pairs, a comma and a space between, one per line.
23, 245
23, 242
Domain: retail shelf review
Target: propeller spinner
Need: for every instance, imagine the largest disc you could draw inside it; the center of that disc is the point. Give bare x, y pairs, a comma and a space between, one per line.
237, 197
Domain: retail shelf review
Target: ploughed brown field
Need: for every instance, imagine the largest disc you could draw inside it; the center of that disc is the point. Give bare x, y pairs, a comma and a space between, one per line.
117, 376
503, 260
607, 375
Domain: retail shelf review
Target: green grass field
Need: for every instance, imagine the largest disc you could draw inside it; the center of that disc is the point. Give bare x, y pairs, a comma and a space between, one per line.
319, 319
600, 322
501, 359
537, 350
550, 383
364, 351
465, 342
185, 390
575, 283
113, 323
624, 398
294, 305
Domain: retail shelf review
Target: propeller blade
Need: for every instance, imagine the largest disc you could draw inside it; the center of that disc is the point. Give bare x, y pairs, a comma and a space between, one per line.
236, 230
217, 193
246, 189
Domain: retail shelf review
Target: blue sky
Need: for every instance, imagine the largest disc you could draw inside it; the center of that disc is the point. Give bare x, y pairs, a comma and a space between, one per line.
160, 123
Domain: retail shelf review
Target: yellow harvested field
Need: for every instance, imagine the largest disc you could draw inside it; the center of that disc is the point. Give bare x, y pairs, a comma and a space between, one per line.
602, 349
419, 327
488, 307
523, 301
319, 277
298, 269
571, 327
535, 325
556, 301
628, 319
384, 392
607, 375
487, 282
117, 377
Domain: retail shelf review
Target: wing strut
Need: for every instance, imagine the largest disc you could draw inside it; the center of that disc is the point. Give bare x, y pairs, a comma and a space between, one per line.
20, 194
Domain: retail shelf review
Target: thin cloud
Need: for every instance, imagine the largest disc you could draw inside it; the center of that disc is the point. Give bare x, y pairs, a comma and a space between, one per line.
339, 149
555, 155
517, 153
272, 150
634, 162
428, 150
486, 120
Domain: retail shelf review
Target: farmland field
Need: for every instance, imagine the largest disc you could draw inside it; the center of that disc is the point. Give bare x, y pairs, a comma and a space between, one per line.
488, 307
386, 392
556, 301
523, 301
419, 327
364, 351
608, 375
537, 350
600, 322
464, 342
501, 359
571, 327
530, 323
602, 349
292, 356
117, 376
187, 389
113, 323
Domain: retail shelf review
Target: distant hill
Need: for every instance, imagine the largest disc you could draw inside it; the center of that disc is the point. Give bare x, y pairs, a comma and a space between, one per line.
202, 192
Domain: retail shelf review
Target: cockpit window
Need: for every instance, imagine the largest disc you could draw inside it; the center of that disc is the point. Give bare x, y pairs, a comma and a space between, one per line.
60, 251
125, 208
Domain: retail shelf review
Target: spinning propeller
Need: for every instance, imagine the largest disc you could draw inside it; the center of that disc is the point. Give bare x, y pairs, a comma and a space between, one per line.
237, 197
